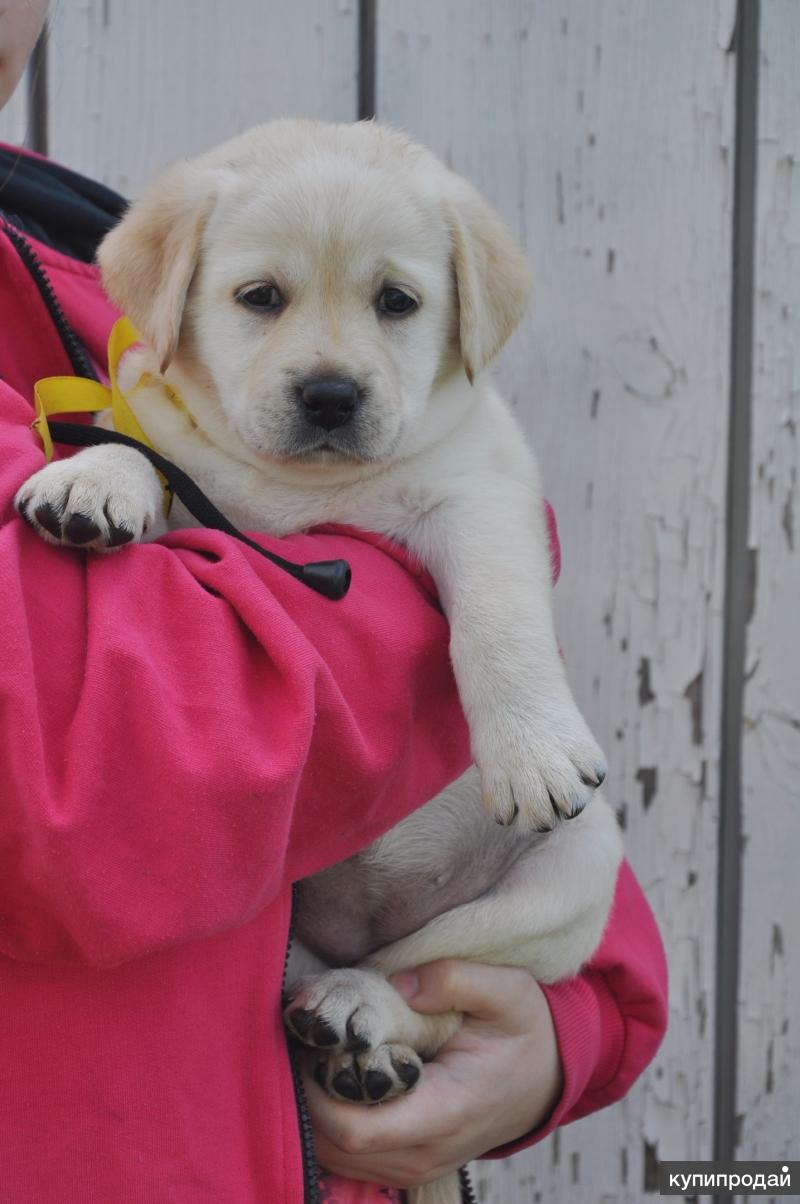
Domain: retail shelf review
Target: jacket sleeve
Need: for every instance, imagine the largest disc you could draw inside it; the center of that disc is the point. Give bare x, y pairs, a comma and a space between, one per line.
184, 729
610, 1019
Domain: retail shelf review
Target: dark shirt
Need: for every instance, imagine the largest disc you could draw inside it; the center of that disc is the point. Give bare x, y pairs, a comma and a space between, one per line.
57, 206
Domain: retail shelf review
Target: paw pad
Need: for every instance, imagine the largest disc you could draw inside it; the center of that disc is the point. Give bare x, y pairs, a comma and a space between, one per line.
370, 1075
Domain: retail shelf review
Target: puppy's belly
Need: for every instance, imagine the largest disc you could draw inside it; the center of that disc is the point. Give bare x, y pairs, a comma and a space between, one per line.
447, 853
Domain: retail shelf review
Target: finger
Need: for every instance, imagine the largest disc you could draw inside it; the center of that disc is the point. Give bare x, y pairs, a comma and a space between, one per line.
491, 993
396, 1169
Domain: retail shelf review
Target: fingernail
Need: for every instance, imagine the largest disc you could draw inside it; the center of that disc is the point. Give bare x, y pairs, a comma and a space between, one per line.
406, 983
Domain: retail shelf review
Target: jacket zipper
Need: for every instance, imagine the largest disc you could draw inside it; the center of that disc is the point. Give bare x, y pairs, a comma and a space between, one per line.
81, 364
310, 1180
311, 1184
467, 1190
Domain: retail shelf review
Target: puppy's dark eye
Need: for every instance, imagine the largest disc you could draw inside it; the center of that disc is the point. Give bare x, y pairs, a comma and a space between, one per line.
260, 296
396, 303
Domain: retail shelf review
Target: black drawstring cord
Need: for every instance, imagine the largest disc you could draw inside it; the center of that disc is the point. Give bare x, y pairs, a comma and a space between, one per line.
331, 578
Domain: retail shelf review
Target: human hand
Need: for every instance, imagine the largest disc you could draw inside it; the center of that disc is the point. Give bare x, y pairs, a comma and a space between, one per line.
495, 1080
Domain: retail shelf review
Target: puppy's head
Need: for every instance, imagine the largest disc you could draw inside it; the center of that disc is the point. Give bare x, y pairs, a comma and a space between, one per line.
321, 280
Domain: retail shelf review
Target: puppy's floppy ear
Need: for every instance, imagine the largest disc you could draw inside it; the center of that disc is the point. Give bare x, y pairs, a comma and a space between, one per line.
492, 278
148, 260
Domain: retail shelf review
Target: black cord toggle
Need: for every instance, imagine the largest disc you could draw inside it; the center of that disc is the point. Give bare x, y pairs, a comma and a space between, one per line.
331, 578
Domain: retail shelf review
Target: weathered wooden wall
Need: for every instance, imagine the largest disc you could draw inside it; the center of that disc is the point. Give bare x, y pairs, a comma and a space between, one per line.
769, 1080
604, 131
134, 86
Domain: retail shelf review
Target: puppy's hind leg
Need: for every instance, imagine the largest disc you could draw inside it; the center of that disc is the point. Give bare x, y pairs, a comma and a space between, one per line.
547, 914
441, 1191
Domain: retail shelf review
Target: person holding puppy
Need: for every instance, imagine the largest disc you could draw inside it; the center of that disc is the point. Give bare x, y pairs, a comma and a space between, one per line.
185, 733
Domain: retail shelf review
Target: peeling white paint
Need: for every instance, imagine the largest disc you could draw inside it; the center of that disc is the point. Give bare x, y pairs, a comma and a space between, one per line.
135, 86
615, 134
769, 1078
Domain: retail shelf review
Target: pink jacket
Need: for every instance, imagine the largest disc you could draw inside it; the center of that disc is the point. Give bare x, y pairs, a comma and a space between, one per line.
184, 732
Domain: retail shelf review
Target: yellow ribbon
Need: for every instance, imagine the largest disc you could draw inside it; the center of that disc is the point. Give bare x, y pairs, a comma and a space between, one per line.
79, 395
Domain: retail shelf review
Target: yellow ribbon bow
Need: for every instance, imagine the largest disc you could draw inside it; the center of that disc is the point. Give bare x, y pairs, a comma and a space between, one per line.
79, 395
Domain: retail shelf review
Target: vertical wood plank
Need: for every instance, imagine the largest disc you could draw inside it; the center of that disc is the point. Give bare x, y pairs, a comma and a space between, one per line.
603, 132
769, 1030
134, 87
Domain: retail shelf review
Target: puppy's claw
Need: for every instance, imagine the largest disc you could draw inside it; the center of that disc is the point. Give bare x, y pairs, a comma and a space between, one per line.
346, 1084
48, 517
594, 780
499, 801
324, 1034
118, 533
506, 820
355, 1041
320, 1073
300, 1021
377, 1084
312, 1029
554, 805
371, 1075
578, 807
407, 1072
80, 529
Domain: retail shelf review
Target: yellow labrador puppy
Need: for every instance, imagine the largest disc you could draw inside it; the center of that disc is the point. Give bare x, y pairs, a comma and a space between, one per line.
326, 299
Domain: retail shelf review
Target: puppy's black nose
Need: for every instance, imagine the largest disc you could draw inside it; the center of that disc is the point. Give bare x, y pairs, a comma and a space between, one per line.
329, 401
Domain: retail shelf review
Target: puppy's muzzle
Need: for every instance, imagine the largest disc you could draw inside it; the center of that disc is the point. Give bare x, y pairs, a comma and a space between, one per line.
328, 401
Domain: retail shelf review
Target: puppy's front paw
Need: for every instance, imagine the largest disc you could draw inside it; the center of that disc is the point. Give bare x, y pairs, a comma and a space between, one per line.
541, 771
99, 499
369, 1076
